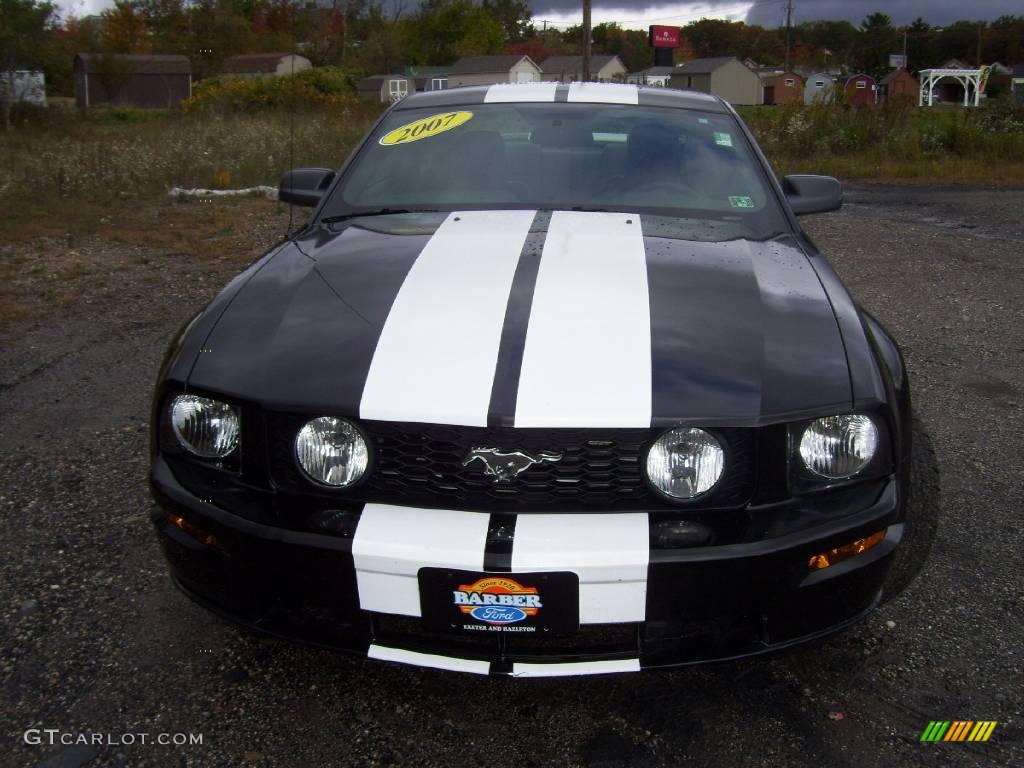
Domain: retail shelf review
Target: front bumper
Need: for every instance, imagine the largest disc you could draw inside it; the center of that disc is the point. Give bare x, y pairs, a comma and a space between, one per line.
640, 606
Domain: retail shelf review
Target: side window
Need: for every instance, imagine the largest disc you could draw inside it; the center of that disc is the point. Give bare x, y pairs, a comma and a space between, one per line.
790, 82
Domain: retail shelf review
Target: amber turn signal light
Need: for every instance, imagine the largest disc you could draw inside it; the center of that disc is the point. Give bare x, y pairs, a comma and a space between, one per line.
196, 533
845, 552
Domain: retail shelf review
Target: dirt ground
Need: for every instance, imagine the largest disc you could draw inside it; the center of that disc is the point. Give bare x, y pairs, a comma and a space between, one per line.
95, 639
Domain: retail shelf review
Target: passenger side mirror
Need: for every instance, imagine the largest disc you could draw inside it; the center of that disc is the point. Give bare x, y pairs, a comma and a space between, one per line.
304, 186
812, 194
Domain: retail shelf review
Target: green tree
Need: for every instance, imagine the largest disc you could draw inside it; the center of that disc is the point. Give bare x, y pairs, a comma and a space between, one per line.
514, 16
24, 25
878, 38
957, 41
1005, 42
713, 37
443, 30
920, 40
123, 29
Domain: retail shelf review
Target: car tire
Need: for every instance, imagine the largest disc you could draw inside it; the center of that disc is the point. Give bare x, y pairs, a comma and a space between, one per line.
922, 517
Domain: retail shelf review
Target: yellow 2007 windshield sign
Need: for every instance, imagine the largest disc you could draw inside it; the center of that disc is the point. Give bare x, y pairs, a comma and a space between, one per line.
425, 128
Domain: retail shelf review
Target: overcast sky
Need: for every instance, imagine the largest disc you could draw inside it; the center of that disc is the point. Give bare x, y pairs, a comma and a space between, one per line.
771, 13
641, 13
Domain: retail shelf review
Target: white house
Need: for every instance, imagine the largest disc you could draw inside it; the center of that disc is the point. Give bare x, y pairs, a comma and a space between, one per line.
489, 70
23, 86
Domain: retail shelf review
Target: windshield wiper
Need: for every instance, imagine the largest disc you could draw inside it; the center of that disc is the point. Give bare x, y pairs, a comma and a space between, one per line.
376, 212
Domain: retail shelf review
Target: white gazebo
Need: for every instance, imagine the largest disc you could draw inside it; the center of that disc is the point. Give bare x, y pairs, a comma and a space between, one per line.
929, 78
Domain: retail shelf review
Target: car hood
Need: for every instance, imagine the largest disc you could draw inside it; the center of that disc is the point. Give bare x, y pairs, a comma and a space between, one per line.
517, 318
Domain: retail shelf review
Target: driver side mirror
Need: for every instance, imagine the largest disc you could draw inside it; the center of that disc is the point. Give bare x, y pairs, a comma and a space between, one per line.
812, 194
304, 186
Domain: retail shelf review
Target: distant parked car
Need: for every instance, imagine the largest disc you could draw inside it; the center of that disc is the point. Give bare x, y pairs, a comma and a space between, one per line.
552, 383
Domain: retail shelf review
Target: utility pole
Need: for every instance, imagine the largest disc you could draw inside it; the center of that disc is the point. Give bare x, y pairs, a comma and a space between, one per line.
586, 41
979, 46
789, 25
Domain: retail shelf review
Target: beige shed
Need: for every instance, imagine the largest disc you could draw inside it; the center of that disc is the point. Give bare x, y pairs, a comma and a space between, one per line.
489, 70
725, 76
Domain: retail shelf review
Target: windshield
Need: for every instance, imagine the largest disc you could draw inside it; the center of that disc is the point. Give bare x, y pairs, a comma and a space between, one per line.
668, 162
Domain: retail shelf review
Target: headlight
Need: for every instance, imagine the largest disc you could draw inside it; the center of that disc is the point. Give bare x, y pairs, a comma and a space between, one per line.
684, 462
331, 451
205, 427
838, 447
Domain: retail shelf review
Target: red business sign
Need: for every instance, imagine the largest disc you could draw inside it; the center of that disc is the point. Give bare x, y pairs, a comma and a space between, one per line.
664, 37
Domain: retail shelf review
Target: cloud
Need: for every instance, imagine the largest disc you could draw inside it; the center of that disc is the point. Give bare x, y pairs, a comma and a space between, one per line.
935, 12
771, 13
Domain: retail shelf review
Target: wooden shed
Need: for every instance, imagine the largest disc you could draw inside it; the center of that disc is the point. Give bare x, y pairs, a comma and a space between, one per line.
818, 88
861, 91
128, 80
264, 64
386, 88
724, 76
782, 87
899, 86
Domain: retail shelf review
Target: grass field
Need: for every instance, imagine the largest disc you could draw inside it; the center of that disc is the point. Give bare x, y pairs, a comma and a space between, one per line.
70, 173
943, 145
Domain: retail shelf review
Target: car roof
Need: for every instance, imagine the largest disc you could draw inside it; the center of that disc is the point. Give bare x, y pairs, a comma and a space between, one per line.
591, 93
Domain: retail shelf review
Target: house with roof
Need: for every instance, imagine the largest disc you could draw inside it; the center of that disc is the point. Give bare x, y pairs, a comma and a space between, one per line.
132, 80
385, 88
569, 69
819, 88
724, 76
23, 86
899, 86
264, 64
657, 76
426, 78
780, 87
489, 70
861, 90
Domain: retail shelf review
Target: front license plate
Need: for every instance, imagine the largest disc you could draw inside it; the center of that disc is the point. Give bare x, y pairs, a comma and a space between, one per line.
523, 603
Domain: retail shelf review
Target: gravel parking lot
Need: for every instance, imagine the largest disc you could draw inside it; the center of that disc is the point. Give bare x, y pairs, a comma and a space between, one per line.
95, 639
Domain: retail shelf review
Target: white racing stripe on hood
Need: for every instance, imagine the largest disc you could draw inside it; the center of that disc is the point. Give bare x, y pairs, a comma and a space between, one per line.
516, 92
436, 355
587, 360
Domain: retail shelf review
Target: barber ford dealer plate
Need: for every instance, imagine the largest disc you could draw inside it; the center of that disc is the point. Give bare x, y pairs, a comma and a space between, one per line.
522, 603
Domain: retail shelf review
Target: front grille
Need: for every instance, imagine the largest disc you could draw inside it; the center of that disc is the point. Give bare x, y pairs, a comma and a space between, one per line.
600, 469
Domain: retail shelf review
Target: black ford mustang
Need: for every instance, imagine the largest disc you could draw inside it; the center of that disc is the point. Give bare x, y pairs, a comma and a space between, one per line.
552, 383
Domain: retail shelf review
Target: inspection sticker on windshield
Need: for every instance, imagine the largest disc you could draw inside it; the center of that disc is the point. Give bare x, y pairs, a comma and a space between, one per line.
741, 201
425, 128
723, 139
